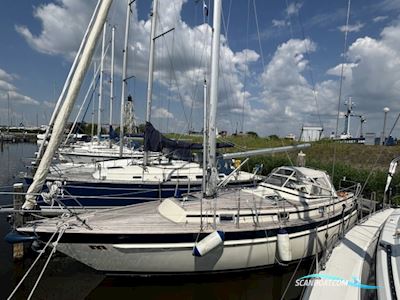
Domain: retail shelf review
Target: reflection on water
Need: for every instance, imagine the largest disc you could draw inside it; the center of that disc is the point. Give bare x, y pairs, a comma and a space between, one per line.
67, 279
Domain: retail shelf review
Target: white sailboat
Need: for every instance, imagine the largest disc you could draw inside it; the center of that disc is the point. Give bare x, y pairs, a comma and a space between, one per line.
366, 261
281, 220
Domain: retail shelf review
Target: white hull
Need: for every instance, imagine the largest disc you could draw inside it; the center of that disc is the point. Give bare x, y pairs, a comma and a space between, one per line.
178, 258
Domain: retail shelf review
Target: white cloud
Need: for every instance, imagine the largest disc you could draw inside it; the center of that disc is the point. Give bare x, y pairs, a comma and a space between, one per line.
49, 104
161, 113
4, 76
351, 28
287, 96
279, 23
379, 19
347, 70
8, 90
293, 8
373, 74
63, 26
286, 99
6, 86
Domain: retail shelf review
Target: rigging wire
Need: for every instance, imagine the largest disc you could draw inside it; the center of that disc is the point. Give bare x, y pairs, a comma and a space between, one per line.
170, 58
290, 19
246, 61
307, 53
341, 85
227, 84
258, 34
193, 75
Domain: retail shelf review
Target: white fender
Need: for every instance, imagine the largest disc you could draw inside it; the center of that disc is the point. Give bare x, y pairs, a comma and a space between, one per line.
283, 244
207, 244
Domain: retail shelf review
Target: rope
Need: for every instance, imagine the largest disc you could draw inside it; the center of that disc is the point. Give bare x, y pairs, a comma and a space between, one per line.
33, 264
61, 232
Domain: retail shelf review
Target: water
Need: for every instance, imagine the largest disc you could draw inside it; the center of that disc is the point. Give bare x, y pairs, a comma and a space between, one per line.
67, 279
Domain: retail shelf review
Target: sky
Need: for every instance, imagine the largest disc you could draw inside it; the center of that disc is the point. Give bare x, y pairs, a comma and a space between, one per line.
280, 62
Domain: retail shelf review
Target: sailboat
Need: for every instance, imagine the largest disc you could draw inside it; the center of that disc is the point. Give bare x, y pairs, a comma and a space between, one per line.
367, 260
283, 219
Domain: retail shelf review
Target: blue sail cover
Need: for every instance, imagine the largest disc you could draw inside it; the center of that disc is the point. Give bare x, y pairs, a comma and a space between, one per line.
155, 141
113, 135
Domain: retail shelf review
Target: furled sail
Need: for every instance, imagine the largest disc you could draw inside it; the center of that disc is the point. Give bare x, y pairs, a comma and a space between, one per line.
65, 111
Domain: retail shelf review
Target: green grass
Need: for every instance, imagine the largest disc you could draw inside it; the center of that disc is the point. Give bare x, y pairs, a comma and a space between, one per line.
367, 165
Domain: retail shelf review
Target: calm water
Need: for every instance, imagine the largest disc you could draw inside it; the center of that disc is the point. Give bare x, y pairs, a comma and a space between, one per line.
68, 279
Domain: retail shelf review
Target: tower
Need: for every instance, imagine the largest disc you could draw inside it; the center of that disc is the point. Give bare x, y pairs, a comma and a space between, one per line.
129, 116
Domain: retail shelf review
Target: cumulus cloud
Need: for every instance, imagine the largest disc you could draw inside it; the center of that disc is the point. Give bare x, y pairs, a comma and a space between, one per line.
18, 102
372, 74
8, 90
63, 25
347, 70
161, 113
285, 97
351, 28
4, 76
180, 60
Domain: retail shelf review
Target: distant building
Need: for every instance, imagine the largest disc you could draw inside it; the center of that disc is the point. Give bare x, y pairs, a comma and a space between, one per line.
290, 136
311, 133
370, 138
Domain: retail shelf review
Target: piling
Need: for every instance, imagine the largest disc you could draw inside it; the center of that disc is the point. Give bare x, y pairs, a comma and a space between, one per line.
18, 201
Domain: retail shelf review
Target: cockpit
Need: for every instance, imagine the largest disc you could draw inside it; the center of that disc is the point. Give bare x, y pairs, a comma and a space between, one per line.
304, 180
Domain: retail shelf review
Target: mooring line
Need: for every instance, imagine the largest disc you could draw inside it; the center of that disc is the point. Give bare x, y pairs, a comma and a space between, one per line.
63, 228
37, 259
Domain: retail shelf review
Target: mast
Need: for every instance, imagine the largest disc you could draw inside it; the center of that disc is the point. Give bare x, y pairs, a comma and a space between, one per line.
205, 128
151, 69
112, 79
65, 110
93, 104
101, 82
67, 82
83, 105
212, 173
8, 112
124, 83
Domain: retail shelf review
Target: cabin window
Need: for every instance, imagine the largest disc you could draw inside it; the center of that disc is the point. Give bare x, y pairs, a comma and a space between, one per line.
179, 177
199, 176
285, 172
226, 217
276, 180
136, 177
115, 167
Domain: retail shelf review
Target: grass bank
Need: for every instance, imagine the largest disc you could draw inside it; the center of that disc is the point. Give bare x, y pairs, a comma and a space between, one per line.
355, 162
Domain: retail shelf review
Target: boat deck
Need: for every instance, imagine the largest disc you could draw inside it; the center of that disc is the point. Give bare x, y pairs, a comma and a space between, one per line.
146, 217
348, 258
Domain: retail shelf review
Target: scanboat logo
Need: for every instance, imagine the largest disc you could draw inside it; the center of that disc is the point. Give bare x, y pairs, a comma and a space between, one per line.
330, 280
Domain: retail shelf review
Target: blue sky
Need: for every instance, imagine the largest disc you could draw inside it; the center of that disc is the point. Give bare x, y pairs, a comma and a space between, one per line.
268, 90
